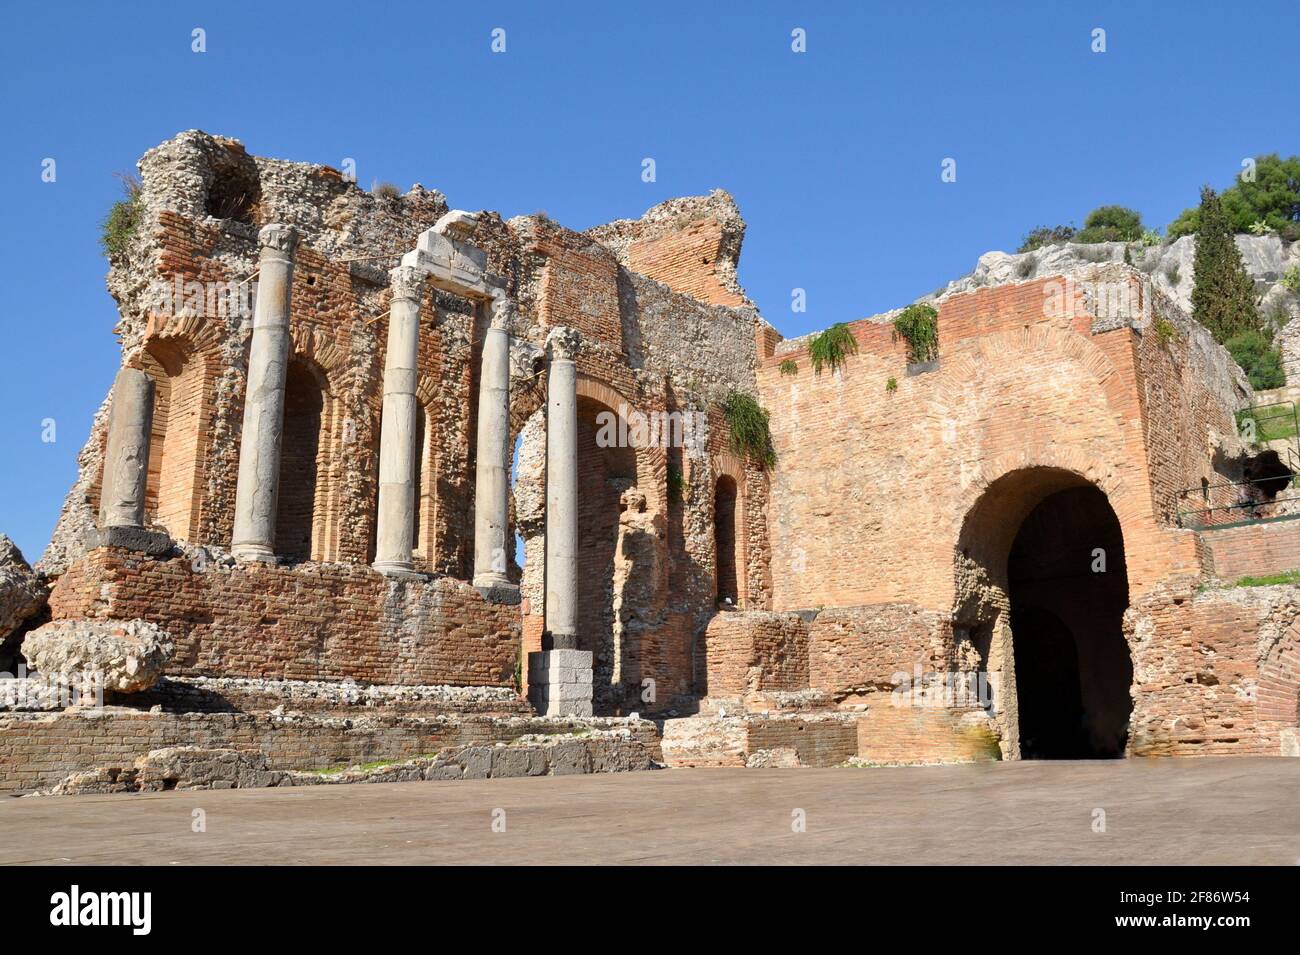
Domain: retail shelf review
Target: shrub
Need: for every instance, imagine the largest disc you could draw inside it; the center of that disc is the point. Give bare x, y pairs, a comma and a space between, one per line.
1025, 268
385, 190
1111, 224
1260, 227
1291, 279
1046, 235
1272, 198
788, 366
891, 385
1172, 273
831, 347
918, 325
1150, 237
747, 423
123, 218
1254, 351
1165, 330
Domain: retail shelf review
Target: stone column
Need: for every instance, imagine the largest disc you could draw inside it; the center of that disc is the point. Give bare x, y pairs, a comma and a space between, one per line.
492, 471
126, 455
395, 533
258, 489
560, 675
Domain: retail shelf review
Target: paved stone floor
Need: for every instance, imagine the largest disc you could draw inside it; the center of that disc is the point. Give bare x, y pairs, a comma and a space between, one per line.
1200, 811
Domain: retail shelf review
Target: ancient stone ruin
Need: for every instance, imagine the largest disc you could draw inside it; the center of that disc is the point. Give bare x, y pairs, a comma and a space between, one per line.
381, 481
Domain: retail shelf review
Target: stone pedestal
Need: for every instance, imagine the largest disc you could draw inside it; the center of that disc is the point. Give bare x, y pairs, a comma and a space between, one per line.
492, 469
561, 610
559, 682
126, 453
399, 431
257, 493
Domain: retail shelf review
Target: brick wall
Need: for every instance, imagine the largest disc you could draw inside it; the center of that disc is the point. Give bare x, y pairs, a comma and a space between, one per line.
315, 621
856, 650
686, 261
1215, 672
1018, 386
754, 651
1255, 550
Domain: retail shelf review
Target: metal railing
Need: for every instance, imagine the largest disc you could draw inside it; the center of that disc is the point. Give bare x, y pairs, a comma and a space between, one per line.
1239, 502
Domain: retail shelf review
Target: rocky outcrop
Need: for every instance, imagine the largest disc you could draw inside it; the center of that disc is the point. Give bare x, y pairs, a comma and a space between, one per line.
1171, 267
129, 655
23, 593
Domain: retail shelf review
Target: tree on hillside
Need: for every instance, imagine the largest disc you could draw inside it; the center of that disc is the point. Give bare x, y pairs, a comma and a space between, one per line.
1111, 224
1223, 297
1273, 197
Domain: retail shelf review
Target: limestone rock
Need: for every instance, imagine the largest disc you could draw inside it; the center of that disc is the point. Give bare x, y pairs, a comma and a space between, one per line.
130, 654
22, 591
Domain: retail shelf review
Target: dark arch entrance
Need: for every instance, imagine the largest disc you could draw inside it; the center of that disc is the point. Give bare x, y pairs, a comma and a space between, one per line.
1067, 586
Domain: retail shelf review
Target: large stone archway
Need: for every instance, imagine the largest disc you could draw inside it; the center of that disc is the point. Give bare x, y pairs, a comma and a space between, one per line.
1042, 585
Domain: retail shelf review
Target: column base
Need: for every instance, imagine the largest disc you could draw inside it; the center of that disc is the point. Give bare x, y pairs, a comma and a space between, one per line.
394, 569
496, 589
254, 552
559, 682
141, 539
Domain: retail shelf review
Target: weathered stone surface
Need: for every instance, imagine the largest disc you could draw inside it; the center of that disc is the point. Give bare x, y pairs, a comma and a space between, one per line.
23, 592
130, 654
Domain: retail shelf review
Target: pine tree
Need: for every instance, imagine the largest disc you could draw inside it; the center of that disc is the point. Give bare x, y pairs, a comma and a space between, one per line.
1223, 297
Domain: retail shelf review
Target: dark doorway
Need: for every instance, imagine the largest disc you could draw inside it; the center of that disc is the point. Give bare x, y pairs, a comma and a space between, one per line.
724, 539
1068, 588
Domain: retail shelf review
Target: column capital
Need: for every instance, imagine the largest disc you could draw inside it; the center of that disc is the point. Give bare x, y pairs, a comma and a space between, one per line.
563, 343
407, 282
280, 237
503, 310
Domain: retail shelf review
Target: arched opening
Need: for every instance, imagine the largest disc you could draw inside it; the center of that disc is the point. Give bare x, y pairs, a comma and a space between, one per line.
1069, 590
172, 498
299, 464
727, 587
604, 473
1041, 593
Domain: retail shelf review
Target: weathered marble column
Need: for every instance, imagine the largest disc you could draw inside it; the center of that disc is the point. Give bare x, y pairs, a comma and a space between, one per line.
395, 533
257, 492
562, 490
492, 471
560, 677
126, 455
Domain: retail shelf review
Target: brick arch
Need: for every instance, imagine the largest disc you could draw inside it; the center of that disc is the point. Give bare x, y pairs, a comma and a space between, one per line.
181, 356
1001, 348
728, 466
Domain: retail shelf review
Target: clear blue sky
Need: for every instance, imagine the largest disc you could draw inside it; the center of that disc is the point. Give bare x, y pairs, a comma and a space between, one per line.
833, 155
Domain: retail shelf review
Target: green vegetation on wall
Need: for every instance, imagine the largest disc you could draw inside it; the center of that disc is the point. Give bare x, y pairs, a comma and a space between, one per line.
122, 220
747, 423
831, 347
918, 325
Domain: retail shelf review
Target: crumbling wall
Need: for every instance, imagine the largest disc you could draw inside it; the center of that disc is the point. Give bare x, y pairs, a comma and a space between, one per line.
1215, 672
691, 244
